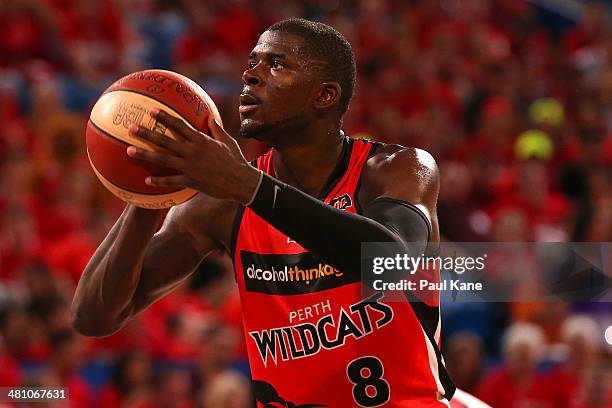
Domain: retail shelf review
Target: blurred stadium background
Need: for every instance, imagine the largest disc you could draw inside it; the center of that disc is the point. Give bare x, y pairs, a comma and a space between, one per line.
513, 99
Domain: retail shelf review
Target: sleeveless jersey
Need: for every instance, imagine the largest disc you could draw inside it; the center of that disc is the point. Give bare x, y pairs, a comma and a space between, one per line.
312, 339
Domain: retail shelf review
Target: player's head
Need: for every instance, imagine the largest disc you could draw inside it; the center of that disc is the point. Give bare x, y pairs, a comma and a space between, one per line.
299, 71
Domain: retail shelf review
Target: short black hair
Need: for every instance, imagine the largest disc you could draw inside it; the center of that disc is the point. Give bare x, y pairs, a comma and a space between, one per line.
325, 43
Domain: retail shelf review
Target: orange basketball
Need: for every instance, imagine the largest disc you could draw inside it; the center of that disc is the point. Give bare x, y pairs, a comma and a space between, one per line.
127, 102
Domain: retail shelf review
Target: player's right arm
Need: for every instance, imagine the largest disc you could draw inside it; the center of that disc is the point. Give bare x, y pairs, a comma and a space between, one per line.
135, 265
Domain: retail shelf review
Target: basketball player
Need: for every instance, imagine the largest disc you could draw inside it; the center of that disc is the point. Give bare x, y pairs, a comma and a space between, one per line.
293, 222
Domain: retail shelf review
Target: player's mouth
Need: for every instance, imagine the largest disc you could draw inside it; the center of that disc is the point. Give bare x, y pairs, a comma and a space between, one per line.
248, 103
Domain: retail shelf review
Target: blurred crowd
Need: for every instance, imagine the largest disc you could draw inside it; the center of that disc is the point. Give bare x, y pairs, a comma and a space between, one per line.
515, 107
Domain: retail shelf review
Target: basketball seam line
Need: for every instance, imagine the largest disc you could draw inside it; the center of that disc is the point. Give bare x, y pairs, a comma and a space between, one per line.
98, 128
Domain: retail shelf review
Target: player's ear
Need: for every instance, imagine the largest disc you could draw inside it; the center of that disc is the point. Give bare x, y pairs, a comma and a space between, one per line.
328, 95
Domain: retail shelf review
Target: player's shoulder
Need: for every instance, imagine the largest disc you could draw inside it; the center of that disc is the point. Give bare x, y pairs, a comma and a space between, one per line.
394, 159
406, 173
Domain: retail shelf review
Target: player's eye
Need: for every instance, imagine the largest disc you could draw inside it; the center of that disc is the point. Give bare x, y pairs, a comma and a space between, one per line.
251, 64
276, 64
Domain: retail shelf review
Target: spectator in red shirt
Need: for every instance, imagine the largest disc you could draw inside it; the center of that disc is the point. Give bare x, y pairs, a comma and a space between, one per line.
227, 390
95, 34
216, 353
513, 384
29, 30
24, 336
10, 371
64, 362
199, 42
171, 389
566, 385
590, 30
464, 355
130, 383
598, 227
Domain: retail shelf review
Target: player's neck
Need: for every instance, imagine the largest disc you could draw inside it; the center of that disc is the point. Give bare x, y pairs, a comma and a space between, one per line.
308, 165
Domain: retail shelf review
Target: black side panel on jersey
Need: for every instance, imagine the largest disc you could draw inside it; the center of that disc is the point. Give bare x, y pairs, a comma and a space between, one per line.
428, 316
235, 230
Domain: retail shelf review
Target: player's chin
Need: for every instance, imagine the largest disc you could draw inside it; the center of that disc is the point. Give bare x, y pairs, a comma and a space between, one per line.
253, 129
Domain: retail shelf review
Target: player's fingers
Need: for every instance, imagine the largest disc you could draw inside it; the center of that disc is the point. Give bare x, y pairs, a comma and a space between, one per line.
177, 125
167, 181
216, 131
158, 139
161, 159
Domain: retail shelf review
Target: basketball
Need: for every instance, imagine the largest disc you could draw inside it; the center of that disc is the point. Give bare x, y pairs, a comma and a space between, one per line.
127, 102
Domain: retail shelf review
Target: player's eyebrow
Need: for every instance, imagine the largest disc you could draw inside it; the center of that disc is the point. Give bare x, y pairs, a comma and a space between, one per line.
267, 55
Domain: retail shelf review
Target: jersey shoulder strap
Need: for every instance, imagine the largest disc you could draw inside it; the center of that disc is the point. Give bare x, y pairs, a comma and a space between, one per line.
265, 163
349, 181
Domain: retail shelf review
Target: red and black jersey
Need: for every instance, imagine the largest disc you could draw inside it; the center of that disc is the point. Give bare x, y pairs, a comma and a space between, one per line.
312, 339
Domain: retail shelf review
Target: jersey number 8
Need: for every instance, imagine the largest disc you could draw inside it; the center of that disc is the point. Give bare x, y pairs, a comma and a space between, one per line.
370, 389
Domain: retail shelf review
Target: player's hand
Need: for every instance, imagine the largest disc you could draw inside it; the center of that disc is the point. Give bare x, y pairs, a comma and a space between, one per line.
213, 165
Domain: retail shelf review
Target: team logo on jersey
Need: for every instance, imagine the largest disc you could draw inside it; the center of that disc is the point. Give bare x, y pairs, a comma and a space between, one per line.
291, 274
266, 396
329, 332
342, 202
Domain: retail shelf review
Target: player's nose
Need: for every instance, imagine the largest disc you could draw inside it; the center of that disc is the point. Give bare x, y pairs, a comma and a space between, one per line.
250, 77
